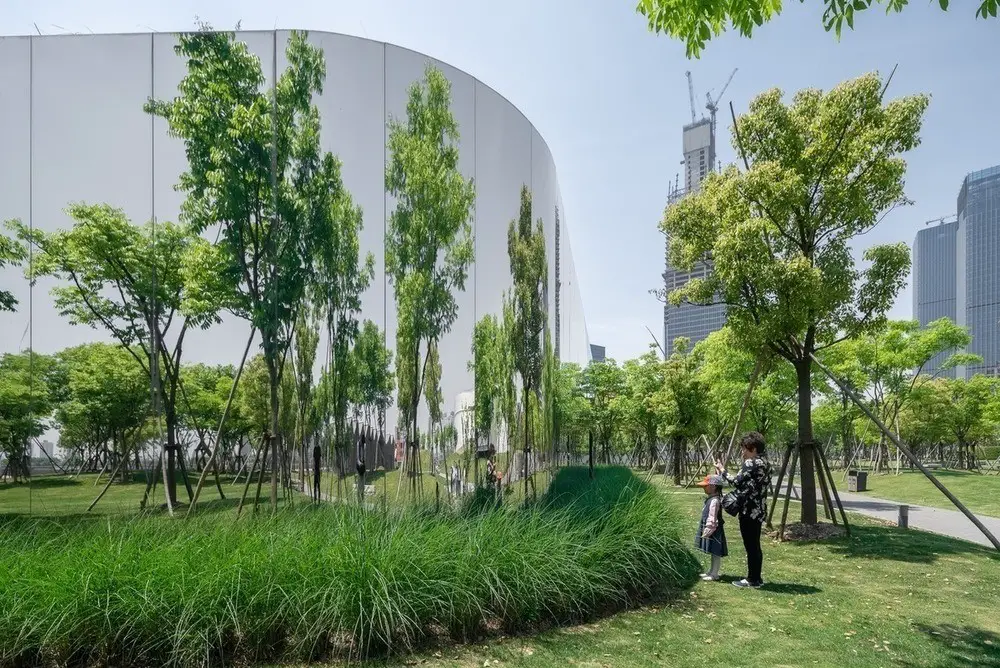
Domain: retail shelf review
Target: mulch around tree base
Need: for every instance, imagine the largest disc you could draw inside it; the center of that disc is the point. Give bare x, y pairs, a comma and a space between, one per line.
801, 532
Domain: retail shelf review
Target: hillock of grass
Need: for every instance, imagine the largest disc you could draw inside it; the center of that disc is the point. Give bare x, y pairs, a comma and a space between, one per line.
330, 581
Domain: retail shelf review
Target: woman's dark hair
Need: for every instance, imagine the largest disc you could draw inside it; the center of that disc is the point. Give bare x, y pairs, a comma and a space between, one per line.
753, 440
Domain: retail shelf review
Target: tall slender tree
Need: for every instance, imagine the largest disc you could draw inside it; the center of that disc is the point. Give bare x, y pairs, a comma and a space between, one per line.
526, 251
255, 171
428, 243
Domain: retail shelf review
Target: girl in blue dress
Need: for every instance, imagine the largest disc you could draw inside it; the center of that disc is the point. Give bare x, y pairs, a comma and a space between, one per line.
711, 537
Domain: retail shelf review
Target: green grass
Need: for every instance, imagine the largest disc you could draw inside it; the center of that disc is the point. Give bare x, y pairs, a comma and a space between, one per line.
332, 580
980, 492
883, 597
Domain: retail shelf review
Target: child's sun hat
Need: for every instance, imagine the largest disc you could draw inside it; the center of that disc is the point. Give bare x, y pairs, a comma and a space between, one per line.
713, 479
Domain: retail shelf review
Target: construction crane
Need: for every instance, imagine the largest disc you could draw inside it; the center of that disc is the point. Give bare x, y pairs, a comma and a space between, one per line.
713, 105
943, 219
691, 95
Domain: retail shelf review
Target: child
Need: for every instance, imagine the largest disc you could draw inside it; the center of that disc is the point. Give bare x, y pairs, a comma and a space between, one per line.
711, 537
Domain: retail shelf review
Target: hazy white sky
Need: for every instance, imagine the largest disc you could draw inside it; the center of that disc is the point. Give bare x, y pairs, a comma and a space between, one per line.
610, 100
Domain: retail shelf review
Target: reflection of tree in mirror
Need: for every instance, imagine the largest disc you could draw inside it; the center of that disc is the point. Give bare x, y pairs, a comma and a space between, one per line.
131, 282
11, 253
428, 243
26, 401
256, 171
529, 269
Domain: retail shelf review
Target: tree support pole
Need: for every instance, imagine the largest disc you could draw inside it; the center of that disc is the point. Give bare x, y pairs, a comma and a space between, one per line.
833, 488
218, 433
788, 493
777, 488
909, 455
111, 479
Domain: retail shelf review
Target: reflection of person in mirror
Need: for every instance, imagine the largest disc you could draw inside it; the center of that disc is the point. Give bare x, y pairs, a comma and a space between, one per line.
316, 472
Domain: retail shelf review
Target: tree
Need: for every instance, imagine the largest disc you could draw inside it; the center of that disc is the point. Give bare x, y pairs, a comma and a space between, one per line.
428, 243
966, 412
25, 407
485, 366
642, 404
255, 169
373, 365
603, 382
888, 363
131, 282
571, 406
819, 172
683, 400
306, 342
695, 23
11, 253
725, 371
526, 251
105, 405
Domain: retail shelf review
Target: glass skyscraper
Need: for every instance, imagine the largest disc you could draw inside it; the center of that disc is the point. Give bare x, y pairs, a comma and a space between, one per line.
978, 257
934, 280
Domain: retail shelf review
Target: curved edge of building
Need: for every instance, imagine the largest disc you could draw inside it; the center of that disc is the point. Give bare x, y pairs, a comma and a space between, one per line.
73, 129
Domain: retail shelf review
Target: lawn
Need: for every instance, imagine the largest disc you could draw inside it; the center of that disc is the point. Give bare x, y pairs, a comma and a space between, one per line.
884, 597
980, 492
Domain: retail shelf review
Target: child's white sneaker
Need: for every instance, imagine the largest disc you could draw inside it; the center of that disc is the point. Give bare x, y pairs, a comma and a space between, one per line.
709, 578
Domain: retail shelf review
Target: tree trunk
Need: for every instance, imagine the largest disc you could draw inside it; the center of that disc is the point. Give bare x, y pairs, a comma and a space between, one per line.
527, 436
272, 373
803, 373
170, 417
678, 448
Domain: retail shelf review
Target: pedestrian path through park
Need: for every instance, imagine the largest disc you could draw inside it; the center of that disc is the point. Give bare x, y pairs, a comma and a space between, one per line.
936, 520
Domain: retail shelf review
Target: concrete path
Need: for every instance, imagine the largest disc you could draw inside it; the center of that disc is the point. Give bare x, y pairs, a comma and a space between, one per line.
945, 522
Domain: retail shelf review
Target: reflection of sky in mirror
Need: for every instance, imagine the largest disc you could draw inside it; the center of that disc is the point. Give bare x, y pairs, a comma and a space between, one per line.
610, 100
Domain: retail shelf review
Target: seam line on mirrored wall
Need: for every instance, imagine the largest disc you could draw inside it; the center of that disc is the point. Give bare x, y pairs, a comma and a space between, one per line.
385, 203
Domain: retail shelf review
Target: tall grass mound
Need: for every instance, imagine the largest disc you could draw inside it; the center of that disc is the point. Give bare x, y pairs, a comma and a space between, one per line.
329, 581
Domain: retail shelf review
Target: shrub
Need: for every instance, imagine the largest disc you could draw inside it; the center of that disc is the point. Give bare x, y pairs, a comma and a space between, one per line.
333, 580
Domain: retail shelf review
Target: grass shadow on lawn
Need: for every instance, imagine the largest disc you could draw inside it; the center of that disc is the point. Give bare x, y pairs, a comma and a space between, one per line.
965, 646
906, 545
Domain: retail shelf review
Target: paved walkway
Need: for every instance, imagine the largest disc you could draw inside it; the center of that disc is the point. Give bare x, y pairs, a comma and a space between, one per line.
945, 522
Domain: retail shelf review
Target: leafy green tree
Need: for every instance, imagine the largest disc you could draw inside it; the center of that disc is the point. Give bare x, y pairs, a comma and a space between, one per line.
820, 172
695, 23
373, 365
683, 400
428, 244
105, 405
485, 366
725, 371
966, 413
572, 406
26, 404
11, 253
888, 364
603, 383
256, 170
526, 252
306, 342
643, 408
128, 280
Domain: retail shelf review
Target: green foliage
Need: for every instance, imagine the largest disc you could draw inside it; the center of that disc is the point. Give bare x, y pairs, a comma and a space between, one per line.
529, 269
603, 383
428, 244
432, 384
26, 402
106, 398
294, 587
821, 172
486, 368
644, 404
13, 254
373, 365
695, 23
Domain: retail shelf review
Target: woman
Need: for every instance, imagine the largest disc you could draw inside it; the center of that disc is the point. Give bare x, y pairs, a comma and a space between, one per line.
751, 487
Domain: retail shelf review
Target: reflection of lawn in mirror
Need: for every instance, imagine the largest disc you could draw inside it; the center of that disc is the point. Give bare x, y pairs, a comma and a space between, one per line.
980, 492
397, 487
71, 495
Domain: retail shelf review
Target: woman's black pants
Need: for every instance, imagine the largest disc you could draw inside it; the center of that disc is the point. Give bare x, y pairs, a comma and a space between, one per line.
750, 531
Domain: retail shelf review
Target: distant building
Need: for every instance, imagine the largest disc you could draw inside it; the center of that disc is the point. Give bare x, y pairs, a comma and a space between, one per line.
935, 280
691, 321
956, 273
597, 353
978, 258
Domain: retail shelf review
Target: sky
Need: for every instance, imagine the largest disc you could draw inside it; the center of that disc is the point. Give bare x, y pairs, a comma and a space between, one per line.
610, 99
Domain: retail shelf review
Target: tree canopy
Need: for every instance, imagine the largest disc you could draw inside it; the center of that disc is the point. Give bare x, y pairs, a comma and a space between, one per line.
695, 23
818, 173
